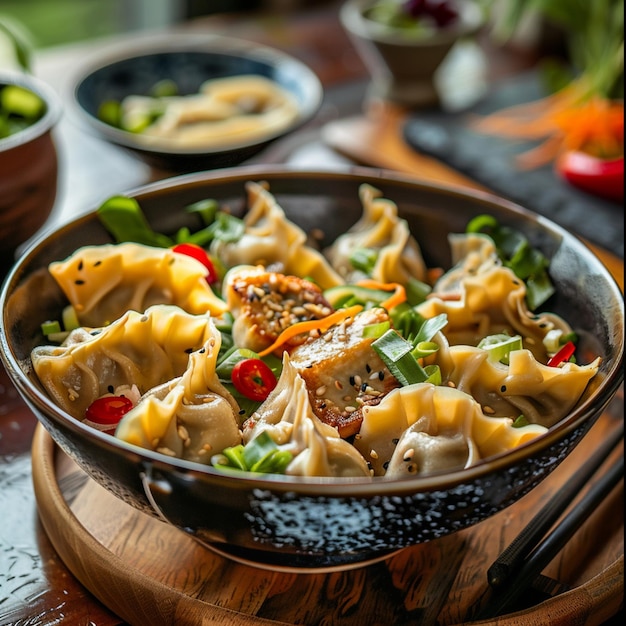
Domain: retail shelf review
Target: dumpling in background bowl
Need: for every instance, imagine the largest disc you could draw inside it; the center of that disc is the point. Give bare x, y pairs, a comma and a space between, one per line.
195, 102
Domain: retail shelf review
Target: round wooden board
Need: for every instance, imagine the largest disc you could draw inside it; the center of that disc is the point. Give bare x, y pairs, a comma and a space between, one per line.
148, 572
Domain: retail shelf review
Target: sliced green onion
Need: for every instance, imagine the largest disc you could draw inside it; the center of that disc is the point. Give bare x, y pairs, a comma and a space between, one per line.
364, 259
500, 346
434, 374
395, 353
520, 421
70, 318
50, 327
259, 455
416, 291
424, 349
235, 456
376, 330
343, 296
430, 328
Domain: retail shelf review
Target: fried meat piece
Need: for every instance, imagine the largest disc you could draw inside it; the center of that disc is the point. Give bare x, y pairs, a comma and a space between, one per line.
265, 303
343, 372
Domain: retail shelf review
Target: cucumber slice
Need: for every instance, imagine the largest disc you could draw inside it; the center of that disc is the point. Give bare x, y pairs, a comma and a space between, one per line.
17, 100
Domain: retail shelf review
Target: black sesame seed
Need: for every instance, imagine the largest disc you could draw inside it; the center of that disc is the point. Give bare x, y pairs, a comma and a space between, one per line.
363, 387
202, 350
80, 265
385, 465
381, 375
395, 441
503, 388
110, 388
242, 411
188, 350
368, 369
97, 263
79, 282
352, 381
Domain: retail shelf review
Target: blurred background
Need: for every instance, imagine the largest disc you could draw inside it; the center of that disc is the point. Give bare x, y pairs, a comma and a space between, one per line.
56, 22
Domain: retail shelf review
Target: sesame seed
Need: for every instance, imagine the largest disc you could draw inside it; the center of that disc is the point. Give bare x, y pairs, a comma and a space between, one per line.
503, 388
350, 409
338, 385
408, 455
488, 410
374, 454
320, 391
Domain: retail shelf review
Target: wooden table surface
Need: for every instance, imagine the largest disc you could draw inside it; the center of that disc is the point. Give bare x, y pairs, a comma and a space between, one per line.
36, 587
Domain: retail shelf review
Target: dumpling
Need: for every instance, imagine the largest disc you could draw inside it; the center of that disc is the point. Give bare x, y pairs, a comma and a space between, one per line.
103, 282
288, 418
265, 303
270, 239
481, 297
414, 429
399, 257
190, 417
543, 394
142, 349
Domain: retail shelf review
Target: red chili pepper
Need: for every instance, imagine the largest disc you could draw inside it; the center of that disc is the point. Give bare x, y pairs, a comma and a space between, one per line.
602, 177
200, 254
563, 355
254, 379
108, 410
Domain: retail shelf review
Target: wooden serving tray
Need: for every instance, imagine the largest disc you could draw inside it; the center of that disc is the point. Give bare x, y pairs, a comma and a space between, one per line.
148, 572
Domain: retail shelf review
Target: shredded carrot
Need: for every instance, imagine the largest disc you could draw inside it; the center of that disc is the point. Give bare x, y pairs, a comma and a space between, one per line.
398, 296
570, 119
321, 325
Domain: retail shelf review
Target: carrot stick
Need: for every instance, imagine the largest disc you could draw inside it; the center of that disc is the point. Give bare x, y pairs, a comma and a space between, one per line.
321, 325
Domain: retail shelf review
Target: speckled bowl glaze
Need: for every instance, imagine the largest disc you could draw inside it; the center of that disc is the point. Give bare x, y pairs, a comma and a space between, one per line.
189, 60
319, 524
28, 170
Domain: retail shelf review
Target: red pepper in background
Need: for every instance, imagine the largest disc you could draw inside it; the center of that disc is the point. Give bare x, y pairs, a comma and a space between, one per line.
200, 254
601, 177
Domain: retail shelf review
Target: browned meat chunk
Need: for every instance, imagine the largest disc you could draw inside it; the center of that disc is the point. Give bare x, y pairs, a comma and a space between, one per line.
343, 372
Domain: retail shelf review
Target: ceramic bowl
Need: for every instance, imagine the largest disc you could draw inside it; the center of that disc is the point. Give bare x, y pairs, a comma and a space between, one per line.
402, 65
317, 524
189, 61
28, 170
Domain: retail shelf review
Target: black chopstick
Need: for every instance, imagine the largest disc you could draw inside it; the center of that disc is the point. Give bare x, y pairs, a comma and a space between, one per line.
519, 582
522, 545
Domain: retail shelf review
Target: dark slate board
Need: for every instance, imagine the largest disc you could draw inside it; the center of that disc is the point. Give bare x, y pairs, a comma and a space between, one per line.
490, 161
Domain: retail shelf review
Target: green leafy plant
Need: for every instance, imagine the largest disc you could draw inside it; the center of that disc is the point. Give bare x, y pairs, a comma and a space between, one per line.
594, 34
18, 40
